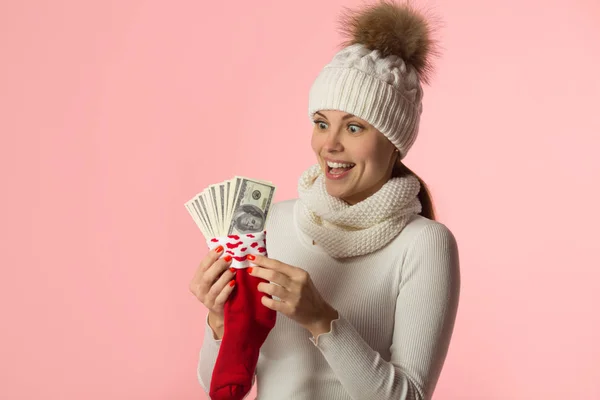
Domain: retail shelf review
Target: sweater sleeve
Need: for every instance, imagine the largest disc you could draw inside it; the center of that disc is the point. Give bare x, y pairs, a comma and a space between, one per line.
426, 309
208, 357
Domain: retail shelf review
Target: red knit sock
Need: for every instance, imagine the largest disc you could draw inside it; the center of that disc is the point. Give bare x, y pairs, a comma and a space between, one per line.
246, 327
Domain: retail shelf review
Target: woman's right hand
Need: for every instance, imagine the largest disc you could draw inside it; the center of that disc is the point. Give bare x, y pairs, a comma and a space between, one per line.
212, 283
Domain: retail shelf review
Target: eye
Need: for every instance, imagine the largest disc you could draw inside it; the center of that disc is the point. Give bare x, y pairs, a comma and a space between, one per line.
359, 128
322, 125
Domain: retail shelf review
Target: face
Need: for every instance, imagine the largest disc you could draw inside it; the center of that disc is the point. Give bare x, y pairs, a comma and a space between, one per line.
250, 222
355, 157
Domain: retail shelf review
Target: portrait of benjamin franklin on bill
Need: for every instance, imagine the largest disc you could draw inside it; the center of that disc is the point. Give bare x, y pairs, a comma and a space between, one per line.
248, 218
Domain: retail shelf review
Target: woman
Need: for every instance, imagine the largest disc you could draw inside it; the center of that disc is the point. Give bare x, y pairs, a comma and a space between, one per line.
367, 282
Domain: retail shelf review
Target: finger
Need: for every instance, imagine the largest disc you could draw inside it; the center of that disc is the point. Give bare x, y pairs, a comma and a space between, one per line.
211, 257
197, 285
206, 262
216, 289
296, 276
224, 295
267, 262
275, 265
270, 275
274, 290
275, 305
213, 273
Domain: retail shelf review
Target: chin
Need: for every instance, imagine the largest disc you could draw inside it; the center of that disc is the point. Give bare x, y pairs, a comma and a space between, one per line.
331, 191
336, 190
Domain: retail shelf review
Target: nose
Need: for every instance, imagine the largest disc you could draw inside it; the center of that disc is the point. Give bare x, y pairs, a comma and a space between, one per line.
332, 142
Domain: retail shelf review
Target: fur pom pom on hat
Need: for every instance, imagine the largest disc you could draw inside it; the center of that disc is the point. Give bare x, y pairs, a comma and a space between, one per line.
377, 75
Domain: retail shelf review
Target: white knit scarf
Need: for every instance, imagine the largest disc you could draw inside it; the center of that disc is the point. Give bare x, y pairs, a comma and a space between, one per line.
345, 230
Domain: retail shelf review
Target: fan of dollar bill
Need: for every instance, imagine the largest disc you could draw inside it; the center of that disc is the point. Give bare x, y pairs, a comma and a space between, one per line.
236, 206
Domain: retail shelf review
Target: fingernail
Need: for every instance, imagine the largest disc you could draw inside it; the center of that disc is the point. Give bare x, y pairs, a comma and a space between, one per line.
219, 249
232, 269
251, 257
249, 270
227, 258
231, 283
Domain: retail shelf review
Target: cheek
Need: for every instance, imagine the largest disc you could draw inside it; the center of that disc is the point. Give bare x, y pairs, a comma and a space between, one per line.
375, 156
367, 153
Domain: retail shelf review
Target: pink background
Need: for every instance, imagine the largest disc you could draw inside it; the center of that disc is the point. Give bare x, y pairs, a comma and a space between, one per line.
114, 113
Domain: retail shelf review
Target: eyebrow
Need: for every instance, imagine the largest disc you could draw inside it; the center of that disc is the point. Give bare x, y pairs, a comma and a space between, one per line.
347, 116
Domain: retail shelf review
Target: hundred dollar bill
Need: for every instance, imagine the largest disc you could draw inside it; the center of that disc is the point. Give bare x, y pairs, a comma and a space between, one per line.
216, 207
196, 217
223, 188
235, 189
204, 209
251, 206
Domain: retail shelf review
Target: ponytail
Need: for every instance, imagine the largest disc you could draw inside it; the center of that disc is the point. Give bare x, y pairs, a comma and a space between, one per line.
424, 195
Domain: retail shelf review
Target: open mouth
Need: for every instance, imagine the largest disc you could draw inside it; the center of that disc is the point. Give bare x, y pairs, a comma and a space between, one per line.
337, 170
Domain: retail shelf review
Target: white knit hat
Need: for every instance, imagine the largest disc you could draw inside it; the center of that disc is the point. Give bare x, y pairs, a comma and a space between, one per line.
377, 76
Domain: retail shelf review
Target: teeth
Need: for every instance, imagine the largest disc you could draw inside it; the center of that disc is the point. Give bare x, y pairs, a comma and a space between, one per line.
338, 165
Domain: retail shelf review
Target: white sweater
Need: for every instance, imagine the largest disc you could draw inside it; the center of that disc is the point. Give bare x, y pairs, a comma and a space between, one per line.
397, 308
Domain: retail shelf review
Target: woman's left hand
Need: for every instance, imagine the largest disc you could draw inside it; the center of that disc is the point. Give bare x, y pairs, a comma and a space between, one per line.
300, 299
